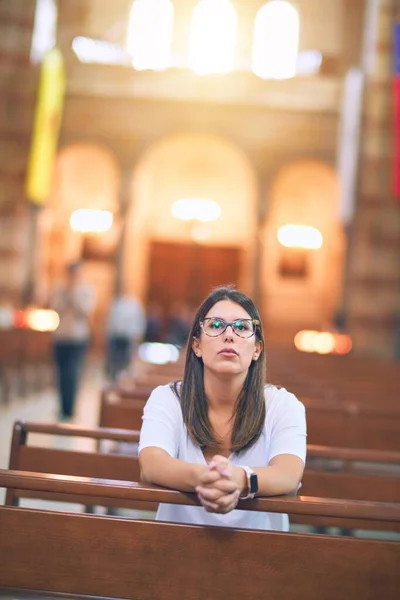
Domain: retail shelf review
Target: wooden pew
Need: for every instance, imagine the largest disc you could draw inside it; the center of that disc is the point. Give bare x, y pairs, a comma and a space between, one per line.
351, 425
10, 361
127, 390
362, 475
103, 465
37, 357
346, 482
121, 414
350, 473
91, 555
328, 423
364, 381
351, 402
361, 381
368, 381
25, 356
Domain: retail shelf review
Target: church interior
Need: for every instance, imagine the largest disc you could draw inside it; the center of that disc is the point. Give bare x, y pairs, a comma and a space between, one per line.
153, 151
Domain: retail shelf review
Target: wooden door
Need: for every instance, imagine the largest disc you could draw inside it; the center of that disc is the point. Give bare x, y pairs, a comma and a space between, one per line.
186, 273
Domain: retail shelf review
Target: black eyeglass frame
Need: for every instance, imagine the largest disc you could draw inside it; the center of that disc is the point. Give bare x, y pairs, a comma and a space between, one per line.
255, 322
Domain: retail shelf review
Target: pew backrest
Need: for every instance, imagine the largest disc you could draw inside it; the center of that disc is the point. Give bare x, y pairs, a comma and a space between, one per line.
68, 461
355, 484
352, 426
139, 560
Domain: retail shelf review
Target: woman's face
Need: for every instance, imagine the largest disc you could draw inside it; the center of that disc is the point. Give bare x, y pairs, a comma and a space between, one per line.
227, 352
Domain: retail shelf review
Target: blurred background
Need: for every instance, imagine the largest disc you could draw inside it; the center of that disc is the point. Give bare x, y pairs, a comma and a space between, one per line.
171, 146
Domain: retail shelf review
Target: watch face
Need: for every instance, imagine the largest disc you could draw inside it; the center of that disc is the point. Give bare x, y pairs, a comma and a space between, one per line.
253, 483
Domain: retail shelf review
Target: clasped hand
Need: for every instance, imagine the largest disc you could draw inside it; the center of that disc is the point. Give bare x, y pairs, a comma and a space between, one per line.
220, 486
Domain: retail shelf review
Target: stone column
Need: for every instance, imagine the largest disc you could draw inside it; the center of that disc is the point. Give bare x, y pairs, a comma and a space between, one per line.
124, 208
258, 292
373, 283
260, 221
17, 101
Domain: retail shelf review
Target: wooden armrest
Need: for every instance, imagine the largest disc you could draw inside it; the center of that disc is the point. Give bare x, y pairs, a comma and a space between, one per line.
98, 433
301, 505
350, 454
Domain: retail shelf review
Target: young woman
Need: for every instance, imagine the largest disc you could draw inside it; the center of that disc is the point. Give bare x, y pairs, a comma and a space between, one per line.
222, 432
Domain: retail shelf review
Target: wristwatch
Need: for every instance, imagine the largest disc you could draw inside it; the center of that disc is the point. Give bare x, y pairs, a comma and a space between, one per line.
252, 483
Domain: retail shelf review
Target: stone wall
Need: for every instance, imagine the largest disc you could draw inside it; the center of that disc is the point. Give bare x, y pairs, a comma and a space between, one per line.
373, 287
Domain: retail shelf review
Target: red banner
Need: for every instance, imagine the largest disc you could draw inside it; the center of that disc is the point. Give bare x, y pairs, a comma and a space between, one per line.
396, 102
396, 157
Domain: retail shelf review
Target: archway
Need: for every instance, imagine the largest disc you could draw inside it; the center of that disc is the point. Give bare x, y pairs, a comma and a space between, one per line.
185, 167
303, 285
86, 177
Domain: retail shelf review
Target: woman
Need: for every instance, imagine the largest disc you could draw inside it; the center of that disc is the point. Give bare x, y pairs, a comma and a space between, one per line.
74, 300
222, 432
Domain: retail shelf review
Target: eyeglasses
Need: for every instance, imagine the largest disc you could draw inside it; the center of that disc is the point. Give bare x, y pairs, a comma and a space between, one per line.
244, 328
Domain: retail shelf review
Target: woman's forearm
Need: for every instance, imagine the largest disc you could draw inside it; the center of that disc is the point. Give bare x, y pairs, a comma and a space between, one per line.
275, 481
282, 476
158, 468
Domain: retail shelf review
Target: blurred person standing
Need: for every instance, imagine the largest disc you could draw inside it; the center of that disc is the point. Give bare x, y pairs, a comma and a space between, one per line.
179, 322
397, 337
126, 327
74, 300
154, 323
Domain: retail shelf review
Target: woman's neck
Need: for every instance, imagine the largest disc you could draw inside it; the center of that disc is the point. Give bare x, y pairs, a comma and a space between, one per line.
222, 392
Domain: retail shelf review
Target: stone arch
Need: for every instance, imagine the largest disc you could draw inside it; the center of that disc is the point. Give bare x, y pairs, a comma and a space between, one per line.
191, 165
304, 192
86, 175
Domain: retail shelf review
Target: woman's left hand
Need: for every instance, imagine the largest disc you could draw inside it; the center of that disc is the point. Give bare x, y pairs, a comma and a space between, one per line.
221, 486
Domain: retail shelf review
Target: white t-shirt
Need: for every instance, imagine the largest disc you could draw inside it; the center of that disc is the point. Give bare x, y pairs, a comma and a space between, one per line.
284, 433
74, 306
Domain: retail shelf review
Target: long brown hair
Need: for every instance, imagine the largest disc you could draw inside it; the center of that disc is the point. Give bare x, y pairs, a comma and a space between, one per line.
249, 413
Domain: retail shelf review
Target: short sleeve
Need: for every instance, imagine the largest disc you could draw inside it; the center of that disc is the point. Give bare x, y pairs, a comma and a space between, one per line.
289, 429
161, 421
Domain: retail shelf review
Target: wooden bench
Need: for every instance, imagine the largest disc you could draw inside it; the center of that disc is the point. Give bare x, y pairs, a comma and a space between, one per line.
350, 473
351, 425
10, 361
123, 413
368, 382
103, 465
365, 380
62, 553
348, 481
26, 359
328, 423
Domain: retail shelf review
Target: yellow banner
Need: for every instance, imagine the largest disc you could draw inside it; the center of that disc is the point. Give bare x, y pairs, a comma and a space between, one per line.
46, 127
